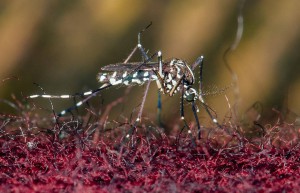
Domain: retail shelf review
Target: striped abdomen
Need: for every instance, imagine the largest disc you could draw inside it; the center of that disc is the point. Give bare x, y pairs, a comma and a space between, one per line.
115, 78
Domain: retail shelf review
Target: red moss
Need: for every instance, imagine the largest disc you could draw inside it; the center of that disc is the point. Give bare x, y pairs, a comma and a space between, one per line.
43, 163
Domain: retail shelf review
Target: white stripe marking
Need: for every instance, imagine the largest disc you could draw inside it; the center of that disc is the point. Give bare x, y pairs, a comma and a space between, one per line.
65, 96
137, 81
102, 77
159, 53
174, 82
117, 82
33, 96
146, 74
88, 93
154, 76
112, 81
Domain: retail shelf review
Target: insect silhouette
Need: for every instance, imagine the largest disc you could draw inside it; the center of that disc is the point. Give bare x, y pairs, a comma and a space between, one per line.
171, 76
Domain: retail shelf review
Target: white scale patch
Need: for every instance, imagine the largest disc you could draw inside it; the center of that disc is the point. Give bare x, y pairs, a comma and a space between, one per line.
114, 74
154, 76
112, 81
103, 77
87, 93
169, 86
169, 79
118, 82
146, 74
137, 77
138, 81
65, 96
174, 82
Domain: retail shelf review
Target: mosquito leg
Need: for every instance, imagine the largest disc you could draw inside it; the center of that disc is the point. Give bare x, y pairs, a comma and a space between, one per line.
140, 44
60, 96
159, 82
78, 104
160, 63
159, 107
214, 120
176, 85
200, 62
182, 113
197, 62
131, 54
147, 58
194, 108
159, 75
143, 102
160, 85
161, 88
90, 93
181, 101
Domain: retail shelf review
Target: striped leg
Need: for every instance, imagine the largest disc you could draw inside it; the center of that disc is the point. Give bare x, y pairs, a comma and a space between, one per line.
95, 92
200, 62
194, 108
60, 96
78, 104
88, 94
148, 59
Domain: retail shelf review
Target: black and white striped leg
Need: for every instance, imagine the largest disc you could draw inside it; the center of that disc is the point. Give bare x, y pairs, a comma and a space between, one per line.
195, 110
143, 102
78, 104
159, 82
60, 96
88, 95
160, 63
181, 101
182, 109
159, 109
200, 62
145, 56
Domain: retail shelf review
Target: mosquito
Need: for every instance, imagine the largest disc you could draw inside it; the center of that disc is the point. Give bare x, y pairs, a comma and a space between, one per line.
171, 76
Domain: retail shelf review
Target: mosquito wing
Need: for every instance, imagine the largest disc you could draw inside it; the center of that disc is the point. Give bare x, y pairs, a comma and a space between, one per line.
131, 66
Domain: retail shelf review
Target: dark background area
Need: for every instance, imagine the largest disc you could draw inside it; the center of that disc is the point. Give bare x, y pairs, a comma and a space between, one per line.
61, 45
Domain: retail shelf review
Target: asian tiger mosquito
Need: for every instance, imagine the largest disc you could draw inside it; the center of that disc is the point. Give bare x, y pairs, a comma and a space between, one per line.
171, 76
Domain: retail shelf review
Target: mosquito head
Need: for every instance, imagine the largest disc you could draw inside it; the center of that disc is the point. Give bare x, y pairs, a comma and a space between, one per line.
190, 95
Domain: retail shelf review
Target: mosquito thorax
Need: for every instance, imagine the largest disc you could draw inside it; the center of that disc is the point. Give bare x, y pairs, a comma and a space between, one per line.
181, 67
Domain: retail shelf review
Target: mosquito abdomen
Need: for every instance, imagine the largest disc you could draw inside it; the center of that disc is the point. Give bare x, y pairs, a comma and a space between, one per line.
115, 78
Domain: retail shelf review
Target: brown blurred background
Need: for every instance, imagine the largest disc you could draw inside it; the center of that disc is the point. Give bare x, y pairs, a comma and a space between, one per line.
62, 45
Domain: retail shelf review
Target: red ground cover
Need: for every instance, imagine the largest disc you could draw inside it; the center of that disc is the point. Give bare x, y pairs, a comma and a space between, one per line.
73, 162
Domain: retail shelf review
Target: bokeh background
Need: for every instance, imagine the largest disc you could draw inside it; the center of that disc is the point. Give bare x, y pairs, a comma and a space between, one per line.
61, 45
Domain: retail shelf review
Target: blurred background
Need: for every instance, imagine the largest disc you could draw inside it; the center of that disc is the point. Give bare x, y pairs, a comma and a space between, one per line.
61, 45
